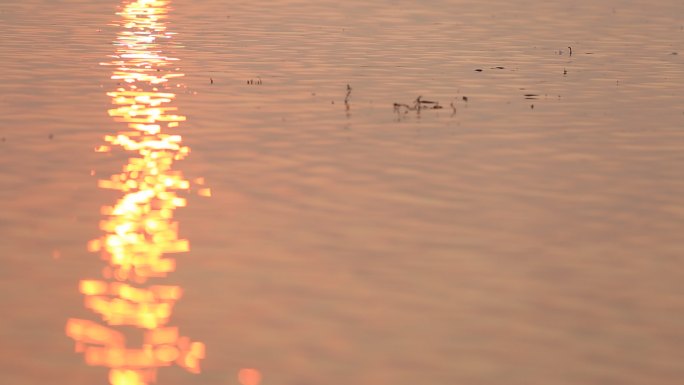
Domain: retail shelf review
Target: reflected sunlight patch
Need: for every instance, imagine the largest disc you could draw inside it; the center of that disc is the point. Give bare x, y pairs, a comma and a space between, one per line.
248, 376
139, 231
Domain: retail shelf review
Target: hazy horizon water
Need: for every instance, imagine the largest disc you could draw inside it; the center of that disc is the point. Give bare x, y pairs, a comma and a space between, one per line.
528, 232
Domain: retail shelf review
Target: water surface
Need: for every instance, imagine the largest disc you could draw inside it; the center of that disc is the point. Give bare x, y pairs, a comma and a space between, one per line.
507, 239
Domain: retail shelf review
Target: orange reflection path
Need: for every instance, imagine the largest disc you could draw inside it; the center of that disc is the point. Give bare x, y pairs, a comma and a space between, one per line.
139, 231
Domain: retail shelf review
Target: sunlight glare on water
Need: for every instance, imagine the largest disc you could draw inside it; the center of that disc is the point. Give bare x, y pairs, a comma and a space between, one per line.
139, 230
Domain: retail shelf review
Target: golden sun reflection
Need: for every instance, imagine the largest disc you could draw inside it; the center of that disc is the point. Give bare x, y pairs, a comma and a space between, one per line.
249, 376
139, 230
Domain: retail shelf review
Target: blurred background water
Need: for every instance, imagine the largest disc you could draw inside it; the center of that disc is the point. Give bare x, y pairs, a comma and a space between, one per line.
530, 232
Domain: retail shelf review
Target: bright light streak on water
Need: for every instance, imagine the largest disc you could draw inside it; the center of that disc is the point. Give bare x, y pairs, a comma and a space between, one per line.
139, 229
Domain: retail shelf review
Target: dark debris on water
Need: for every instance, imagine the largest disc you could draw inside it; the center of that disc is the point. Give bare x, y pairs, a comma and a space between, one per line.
418, 105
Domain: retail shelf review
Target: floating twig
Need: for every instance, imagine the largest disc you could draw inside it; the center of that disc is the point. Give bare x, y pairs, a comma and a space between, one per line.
418, 105
346, 99
421, 101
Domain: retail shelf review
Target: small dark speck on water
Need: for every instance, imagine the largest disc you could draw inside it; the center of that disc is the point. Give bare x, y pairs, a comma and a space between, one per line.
51, 136
674, 53
565, 71
465, 98
211, 81
478, 70
532, 106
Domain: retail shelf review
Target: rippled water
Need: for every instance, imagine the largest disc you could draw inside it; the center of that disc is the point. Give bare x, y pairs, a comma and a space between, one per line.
509, 239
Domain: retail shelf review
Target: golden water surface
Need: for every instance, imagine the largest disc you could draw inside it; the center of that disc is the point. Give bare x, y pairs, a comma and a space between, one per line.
524, 227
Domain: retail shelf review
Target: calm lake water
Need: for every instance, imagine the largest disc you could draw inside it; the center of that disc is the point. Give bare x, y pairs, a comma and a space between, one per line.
531, 231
